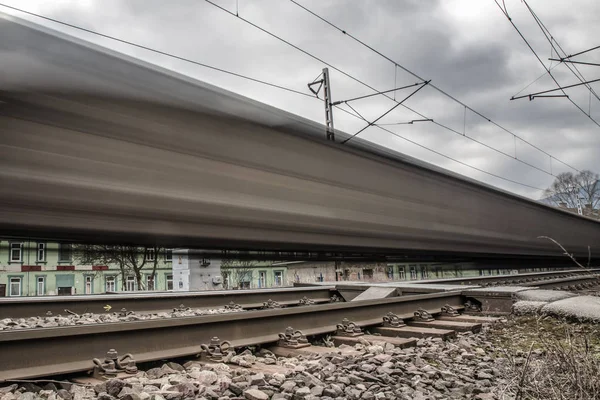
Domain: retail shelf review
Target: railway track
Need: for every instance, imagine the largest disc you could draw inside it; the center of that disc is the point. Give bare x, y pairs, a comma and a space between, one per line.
22, 307
30, 353
40, 352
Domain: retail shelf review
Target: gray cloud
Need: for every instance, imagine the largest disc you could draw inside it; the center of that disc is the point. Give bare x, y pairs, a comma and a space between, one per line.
467, 48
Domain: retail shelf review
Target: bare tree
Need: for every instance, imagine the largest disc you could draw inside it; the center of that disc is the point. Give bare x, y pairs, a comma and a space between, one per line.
570, 189
235, 273
131, 260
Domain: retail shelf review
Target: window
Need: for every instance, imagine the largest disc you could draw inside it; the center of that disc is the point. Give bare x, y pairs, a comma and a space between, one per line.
64, 253
401, 273
150, 282
390, 271
16, 251
368, 273
41, 286
88, 289
424, 272
168, 254
169, 282
245, 285
262, 279
150, 255
15, 287
41, 252
111, 284
413, 272
130, 284
278, 278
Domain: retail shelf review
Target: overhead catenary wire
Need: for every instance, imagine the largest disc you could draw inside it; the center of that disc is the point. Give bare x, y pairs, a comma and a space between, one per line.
505, 12
403, 105
357, 115
442, 154
553, 40
397, 65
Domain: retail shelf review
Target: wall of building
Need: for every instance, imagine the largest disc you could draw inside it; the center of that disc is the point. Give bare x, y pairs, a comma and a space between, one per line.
254, 275
29, 268
308, 272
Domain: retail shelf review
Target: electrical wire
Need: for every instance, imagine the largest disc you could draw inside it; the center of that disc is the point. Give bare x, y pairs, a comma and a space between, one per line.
396, 64
164, 53
551, 39
437, 152
408, 108
543, 65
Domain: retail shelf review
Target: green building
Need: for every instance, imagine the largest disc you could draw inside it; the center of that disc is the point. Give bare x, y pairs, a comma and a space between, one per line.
30, 268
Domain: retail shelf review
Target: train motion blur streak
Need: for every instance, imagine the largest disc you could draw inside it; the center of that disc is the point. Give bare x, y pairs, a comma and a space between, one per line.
99, 146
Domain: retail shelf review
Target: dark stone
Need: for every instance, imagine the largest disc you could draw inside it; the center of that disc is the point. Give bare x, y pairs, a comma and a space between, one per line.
114, 387
64, 394
50, 386
31, 387
187, 390
155, 373
175, 366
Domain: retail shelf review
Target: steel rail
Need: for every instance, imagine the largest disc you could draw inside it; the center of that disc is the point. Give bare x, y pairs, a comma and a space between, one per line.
151, 301
33, 353
568, 282
477, 280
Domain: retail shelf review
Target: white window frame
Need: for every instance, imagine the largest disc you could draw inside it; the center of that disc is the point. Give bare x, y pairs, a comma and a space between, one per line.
401, 273
169, 280
41, 250
130, 283
168, 255
42, 280
413, 272
112, 281
150, 255
19, 281
88, 279
262, 279
278, 282
18, 246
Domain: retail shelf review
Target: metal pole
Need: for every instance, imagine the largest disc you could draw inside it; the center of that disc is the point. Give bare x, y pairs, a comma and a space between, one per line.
328, 106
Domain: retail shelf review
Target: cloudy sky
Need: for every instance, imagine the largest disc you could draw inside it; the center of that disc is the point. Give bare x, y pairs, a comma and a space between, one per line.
466, 47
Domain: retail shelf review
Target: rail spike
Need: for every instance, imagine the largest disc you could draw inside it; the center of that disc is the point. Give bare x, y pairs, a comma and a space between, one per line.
391, 320
449, 311
113, 365
271, 304
305, 301
423, 315
293, 339
348, 328
233, 306
216, 349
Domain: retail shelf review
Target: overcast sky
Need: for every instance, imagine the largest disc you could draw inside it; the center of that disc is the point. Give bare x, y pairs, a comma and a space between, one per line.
466, 47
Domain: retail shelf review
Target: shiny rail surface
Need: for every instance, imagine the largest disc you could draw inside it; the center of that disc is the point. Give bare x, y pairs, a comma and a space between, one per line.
513, 279
156, 301
52, 351
97, 145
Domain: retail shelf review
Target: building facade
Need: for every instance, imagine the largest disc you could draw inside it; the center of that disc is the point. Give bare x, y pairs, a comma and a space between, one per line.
32, 268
